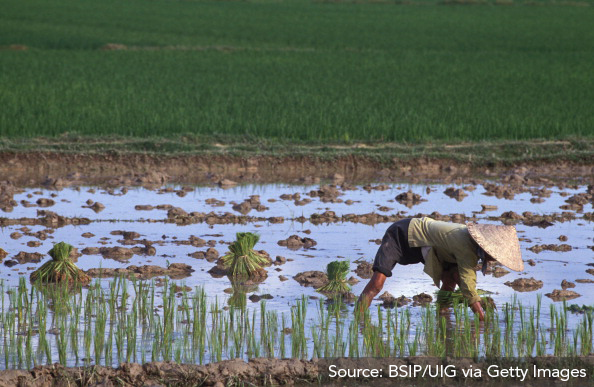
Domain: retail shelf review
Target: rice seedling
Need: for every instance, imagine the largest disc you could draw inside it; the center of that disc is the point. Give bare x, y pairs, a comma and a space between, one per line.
383, 50
337, 272
60, 268
242, 260
120, 323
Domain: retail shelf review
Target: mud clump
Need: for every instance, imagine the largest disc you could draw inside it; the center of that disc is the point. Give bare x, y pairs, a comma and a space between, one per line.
45, 202
409, 199
295, 196
566, 285
7, 192
253, 203
454, 193
191, 241
174, 271
422, 299
258, 298
499, 191
525, 284
369, 187
116, 253
500, 272
488, 207
176, 212
95, 206
295, 242
48, 219
389, 301
23, 257
327, 194
119, 253
560, 295
511, 215
214, 202
126, 235
302, 202
552, 247
364, 270
313, 278
577, 202
211, 254
584, 281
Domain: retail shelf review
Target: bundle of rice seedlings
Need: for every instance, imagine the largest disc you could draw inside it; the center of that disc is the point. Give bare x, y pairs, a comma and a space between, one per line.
447, 298
242, 260
337, 272
60, 268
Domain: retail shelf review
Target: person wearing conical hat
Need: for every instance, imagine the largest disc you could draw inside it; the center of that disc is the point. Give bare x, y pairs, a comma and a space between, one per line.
449, 251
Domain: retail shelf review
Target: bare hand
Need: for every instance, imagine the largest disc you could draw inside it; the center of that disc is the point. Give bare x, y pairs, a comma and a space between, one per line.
477, 308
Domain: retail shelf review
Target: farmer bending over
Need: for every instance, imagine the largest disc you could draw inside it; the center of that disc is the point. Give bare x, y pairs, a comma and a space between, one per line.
449, 251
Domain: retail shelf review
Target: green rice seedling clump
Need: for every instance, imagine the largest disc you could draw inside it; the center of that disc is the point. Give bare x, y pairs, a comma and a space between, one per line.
575, 308
446, 298
60, 268
242, 260
337, 272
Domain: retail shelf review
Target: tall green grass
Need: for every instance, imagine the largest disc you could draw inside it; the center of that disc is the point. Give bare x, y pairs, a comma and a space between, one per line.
297, 70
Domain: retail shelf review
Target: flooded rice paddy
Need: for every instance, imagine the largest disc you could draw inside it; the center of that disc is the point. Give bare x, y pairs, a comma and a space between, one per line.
185, 229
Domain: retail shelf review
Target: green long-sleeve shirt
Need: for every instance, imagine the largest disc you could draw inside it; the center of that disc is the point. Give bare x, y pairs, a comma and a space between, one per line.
451, 243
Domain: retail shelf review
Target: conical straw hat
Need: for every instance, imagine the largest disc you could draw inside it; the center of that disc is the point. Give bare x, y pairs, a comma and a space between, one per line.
500, 242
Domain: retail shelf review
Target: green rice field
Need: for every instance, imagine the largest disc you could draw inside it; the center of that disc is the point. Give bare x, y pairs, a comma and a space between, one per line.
298, 71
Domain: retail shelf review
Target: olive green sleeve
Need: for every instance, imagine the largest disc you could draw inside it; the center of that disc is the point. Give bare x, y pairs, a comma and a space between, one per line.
468, 279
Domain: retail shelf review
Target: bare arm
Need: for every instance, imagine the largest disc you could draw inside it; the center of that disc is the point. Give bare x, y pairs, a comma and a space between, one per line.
374, 286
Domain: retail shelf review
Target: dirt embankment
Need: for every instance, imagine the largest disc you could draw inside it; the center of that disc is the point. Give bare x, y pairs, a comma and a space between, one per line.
264, 371
59, 169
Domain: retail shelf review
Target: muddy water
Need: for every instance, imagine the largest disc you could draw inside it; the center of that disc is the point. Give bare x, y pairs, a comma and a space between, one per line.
335, 240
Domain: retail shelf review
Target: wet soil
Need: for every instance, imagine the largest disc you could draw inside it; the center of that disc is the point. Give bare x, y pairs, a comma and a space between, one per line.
264, 371
389, 301
552, 247
364, 270
422, 299
560, 295
174, 271
566, 285
295, 242
313, 278
525, 284
60, 170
